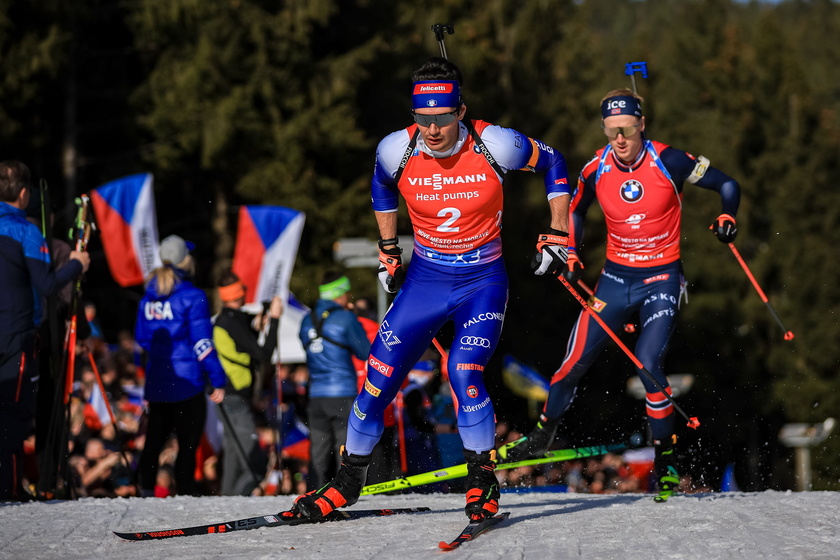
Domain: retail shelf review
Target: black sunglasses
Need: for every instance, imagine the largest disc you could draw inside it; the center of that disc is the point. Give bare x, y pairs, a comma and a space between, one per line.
440, 120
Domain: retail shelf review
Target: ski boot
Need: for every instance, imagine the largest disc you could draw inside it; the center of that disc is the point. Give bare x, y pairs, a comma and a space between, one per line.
664, 469
482, 486
344, 490
534, 444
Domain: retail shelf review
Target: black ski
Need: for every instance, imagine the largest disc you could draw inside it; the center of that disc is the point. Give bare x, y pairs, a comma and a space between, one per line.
472, 530
275, 520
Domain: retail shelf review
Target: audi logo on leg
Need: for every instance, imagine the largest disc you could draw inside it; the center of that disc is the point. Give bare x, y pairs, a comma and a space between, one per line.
475, 341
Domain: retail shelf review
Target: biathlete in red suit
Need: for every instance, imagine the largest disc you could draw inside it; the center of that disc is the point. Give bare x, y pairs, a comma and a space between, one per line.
449, 171
638, 183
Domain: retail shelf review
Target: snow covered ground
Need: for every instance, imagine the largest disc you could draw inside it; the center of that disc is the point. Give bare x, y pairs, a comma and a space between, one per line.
784, 525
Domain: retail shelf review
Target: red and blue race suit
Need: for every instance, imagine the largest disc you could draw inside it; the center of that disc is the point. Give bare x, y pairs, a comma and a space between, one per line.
455, 203
642, 205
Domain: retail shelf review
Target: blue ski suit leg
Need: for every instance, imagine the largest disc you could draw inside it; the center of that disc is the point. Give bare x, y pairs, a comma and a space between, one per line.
474, 298
654, 293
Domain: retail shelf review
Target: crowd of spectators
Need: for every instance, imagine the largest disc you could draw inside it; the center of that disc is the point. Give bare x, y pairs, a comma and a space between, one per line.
104, 455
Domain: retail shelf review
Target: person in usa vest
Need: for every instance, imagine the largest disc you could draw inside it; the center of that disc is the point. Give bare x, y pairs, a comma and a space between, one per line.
449, 171
639, 184
174, 329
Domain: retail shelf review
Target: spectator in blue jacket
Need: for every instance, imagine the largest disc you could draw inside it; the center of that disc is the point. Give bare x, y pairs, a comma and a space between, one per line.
331, 334
26, 274
174, 328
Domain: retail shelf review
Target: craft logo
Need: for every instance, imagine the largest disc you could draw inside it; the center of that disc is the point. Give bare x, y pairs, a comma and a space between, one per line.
371, 388
472, 391
631, 191
658, 314
470, 367
380, 366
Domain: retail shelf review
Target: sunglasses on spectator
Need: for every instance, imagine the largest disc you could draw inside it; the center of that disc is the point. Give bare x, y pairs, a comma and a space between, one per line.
440, 120
612, 132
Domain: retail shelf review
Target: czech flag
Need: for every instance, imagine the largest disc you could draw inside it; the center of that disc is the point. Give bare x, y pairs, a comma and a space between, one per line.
267, 240
289, 347
125, 214
296, 441
97, 410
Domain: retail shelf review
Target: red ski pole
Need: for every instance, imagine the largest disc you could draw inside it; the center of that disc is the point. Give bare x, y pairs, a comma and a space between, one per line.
399, 407
693, 422
788, 334
444, 368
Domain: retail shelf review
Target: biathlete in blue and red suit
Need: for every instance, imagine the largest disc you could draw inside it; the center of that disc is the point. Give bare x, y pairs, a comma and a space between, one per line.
639, 185
449, 171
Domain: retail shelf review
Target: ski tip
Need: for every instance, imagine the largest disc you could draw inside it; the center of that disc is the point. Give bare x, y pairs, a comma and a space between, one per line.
474, 529
128, 536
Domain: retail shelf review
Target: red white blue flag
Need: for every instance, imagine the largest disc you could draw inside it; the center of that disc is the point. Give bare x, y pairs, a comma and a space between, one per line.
267, 241
97, 410
125, 214
296, 442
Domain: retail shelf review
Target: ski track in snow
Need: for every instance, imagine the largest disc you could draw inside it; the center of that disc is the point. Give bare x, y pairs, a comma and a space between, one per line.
781, 525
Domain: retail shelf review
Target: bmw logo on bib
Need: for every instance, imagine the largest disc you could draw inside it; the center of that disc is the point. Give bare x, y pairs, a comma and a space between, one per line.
632, 191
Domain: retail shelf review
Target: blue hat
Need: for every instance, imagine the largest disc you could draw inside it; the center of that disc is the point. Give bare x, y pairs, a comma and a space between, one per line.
621, 105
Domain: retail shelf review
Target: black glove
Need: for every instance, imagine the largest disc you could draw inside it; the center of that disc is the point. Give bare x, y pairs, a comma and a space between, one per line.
391, 273
724, 228
573, 268
552, 252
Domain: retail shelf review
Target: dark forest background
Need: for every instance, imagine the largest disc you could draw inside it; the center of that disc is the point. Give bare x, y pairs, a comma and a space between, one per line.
231, 102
